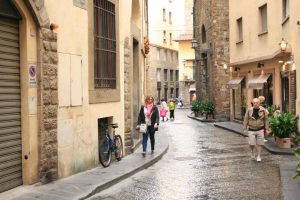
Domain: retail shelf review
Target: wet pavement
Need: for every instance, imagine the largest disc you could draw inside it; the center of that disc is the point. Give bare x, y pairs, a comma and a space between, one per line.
203, 162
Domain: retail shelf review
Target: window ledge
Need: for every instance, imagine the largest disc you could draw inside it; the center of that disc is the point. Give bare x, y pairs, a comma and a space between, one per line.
285, 20
263, 33
239, 42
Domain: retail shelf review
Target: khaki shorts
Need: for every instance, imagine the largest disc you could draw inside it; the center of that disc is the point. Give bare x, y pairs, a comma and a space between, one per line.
256, 137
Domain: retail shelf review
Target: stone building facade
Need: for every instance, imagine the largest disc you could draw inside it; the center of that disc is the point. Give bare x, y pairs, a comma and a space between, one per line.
211, 30
52, 100
162, 73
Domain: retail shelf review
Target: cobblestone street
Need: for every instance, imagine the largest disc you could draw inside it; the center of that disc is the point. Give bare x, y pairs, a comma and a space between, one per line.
203, 162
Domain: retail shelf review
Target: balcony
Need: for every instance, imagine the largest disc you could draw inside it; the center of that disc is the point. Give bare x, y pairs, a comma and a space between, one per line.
166, 84
158, 84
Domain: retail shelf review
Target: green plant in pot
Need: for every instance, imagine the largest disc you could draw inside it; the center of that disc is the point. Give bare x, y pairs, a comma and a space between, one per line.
197, 108
297, 153
208, 109
282, 126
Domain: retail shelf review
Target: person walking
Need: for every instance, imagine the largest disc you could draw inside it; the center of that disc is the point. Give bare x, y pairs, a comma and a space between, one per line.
164, 109
255, 121
172, 108
150, 116
262, 101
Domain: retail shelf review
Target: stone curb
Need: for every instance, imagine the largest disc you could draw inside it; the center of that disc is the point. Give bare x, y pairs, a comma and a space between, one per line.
269, 146
126, 175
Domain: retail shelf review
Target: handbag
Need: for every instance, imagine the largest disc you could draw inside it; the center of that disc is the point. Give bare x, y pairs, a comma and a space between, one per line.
143, 128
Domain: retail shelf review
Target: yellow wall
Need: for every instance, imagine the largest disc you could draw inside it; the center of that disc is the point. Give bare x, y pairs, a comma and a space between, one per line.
255, 46
78, 125
186, 57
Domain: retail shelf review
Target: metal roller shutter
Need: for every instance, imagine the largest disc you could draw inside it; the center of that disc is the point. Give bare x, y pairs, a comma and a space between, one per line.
10, 106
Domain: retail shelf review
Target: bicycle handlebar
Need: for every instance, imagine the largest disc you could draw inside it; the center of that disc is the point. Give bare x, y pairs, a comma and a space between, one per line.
113, 125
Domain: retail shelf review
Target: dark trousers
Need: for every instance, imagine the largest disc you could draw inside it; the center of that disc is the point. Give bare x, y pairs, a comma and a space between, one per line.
145, 139
172, 114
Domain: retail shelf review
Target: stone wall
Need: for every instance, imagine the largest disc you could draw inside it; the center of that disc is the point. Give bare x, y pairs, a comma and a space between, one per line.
127, 96
211, 82
48, 104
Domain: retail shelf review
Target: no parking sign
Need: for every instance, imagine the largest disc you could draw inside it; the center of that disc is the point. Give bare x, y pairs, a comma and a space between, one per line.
32, 75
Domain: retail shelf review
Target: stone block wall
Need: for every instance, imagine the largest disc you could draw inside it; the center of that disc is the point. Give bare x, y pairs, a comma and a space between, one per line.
48, 104
214, 15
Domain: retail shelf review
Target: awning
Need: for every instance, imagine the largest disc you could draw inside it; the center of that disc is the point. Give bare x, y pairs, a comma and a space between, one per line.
192, 89
258, 81
234, 83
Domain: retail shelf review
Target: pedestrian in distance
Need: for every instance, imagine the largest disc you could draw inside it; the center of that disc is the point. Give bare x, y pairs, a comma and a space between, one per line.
172, 108
255, 121
150, 116
163, 110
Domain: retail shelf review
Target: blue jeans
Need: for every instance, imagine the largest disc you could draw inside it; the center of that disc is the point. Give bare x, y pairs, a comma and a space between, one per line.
145, 139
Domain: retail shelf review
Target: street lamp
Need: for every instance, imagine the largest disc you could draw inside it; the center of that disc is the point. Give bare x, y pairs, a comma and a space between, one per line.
194, 43
283, 45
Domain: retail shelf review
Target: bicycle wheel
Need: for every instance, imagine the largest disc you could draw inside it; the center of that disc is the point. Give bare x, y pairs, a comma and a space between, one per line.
119, 148
105, 153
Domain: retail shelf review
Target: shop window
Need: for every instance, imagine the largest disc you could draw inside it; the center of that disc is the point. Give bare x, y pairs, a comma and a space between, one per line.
267, 91
288, 91
240, 103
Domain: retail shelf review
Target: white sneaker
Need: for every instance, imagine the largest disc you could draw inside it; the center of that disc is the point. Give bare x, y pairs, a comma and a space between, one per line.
258, 159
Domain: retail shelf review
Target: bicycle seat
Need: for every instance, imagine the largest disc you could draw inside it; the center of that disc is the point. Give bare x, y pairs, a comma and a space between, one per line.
115, 125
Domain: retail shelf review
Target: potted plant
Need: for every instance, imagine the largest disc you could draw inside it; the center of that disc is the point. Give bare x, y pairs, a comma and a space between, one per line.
197, 108
283, 126
208, 109
297, 153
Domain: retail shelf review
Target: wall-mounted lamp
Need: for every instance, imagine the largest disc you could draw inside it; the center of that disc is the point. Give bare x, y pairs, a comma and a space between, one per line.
225, 68
260, 65
237, 69
53, 26
194, 43
283, 45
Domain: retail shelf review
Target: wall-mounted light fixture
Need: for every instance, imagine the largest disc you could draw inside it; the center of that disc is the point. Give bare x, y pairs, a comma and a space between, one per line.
225, 67
260, 65
53, 26
194, 43
283, 45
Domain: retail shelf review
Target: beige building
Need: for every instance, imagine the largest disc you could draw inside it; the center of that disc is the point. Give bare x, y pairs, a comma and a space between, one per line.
258, 65
186, 58
58, 85
186, 62
163, 70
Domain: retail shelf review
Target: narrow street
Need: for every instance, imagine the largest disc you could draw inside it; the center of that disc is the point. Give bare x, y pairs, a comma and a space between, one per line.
203, 162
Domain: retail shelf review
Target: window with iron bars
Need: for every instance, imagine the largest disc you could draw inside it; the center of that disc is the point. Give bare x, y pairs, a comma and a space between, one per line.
105, 44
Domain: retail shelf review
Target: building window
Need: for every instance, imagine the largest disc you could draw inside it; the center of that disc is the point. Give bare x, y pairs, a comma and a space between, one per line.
166, 74
285, 9
157, 54
105, 44
171, 39
158, 72
164, 15
170, 18
171, 75
177, 75
263, 18
203, 34
164, 37
240, 29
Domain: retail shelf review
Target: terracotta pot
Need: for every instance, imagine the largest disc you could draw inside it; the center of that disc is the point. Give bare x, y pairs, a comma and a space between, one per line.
283, 143
210, 116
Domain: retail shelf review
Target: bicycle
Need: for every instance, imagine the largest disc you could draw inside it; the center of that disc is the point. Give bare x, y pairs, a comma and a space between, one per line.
110, 145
